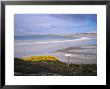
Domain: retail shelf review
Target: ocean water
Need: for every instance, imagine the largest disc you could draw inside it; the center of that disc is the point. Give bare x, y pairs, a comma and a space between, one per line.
32, 45
41, 38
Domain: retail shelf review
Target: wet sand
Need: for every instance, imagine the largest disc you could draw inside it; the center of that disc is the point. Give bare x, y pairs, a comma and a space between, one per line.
83, 51
86, 54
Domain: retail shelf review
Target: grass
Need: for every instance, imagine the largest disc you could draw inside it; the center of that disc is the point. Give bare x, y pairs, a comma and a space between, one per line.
49, 64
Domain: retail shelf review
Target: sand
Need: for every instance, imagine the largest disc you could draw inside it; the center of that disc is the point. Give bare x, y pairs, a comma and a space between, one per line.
83, 51
86, 54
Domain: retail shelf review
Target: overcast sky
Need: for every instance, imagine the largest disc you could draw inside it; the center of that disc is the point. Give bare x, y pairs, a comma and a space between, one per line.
54, 23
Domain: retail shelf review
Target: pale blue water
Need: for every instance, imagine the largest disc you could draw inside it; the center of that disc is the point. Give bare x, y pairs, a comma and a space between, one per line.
41, 38
28, 49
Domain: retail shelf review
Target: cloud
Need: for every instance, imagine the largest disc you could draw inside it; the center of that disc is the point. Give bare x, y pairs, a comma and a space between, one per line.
54, 23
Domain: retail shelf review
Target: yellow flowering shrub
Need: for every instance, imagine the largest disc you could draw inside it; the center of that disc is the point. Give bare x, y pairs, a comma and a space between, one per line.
40, 58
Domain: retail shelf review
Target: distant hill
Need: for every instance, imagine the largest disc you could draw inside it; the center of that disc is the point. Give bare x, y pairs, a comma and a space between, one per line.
75, 34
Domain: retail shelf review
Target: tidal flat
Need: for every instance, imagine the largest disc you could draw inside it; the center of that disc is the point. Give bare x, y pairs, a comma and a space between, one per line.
82, 62
83, 50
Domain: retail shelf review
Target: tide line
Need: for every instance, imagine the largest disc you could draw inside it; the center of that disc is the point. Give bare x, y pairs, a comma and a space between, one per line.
82, 38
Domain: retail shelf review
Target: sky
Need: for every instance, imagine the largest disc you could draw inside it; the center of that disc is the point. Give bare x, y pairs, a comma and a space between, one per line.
38, 24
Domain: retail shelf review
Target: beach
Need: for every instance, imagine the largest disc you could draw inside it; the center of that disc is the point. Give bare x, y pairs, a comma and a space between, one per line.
83, 50
55, 44
83, 54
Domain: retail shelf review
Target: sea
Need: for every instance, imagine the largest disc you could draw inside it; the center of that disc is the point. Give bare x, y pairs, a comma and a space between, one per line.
41, 38
47, 44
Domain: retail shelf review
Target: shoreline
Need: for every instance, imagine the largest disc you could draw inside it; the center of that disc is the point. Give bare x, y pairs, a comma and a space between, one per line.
75, 40
86, 55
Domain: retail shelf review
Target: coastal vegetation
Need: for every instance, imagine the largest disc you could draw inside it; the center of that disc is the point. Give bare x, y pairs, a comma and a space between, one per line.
40, 58
49, 65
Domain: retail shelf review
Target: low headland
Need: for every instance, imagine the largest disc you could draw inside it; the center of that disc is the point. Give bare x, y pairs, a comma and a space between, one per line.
51, 66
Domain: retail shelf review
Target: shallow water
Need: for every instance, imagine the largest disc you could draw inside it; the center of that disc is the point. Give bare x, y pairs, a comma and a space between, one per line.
21, 50
41, 38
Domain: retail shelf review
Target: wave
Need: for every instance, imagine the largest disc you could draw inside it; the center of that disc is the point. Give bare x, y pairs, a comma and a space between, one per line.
44, 42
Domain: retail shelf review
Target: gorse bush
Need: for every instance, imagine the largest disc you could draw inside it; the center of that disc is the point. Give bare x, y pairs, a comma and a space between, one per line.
40, 58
